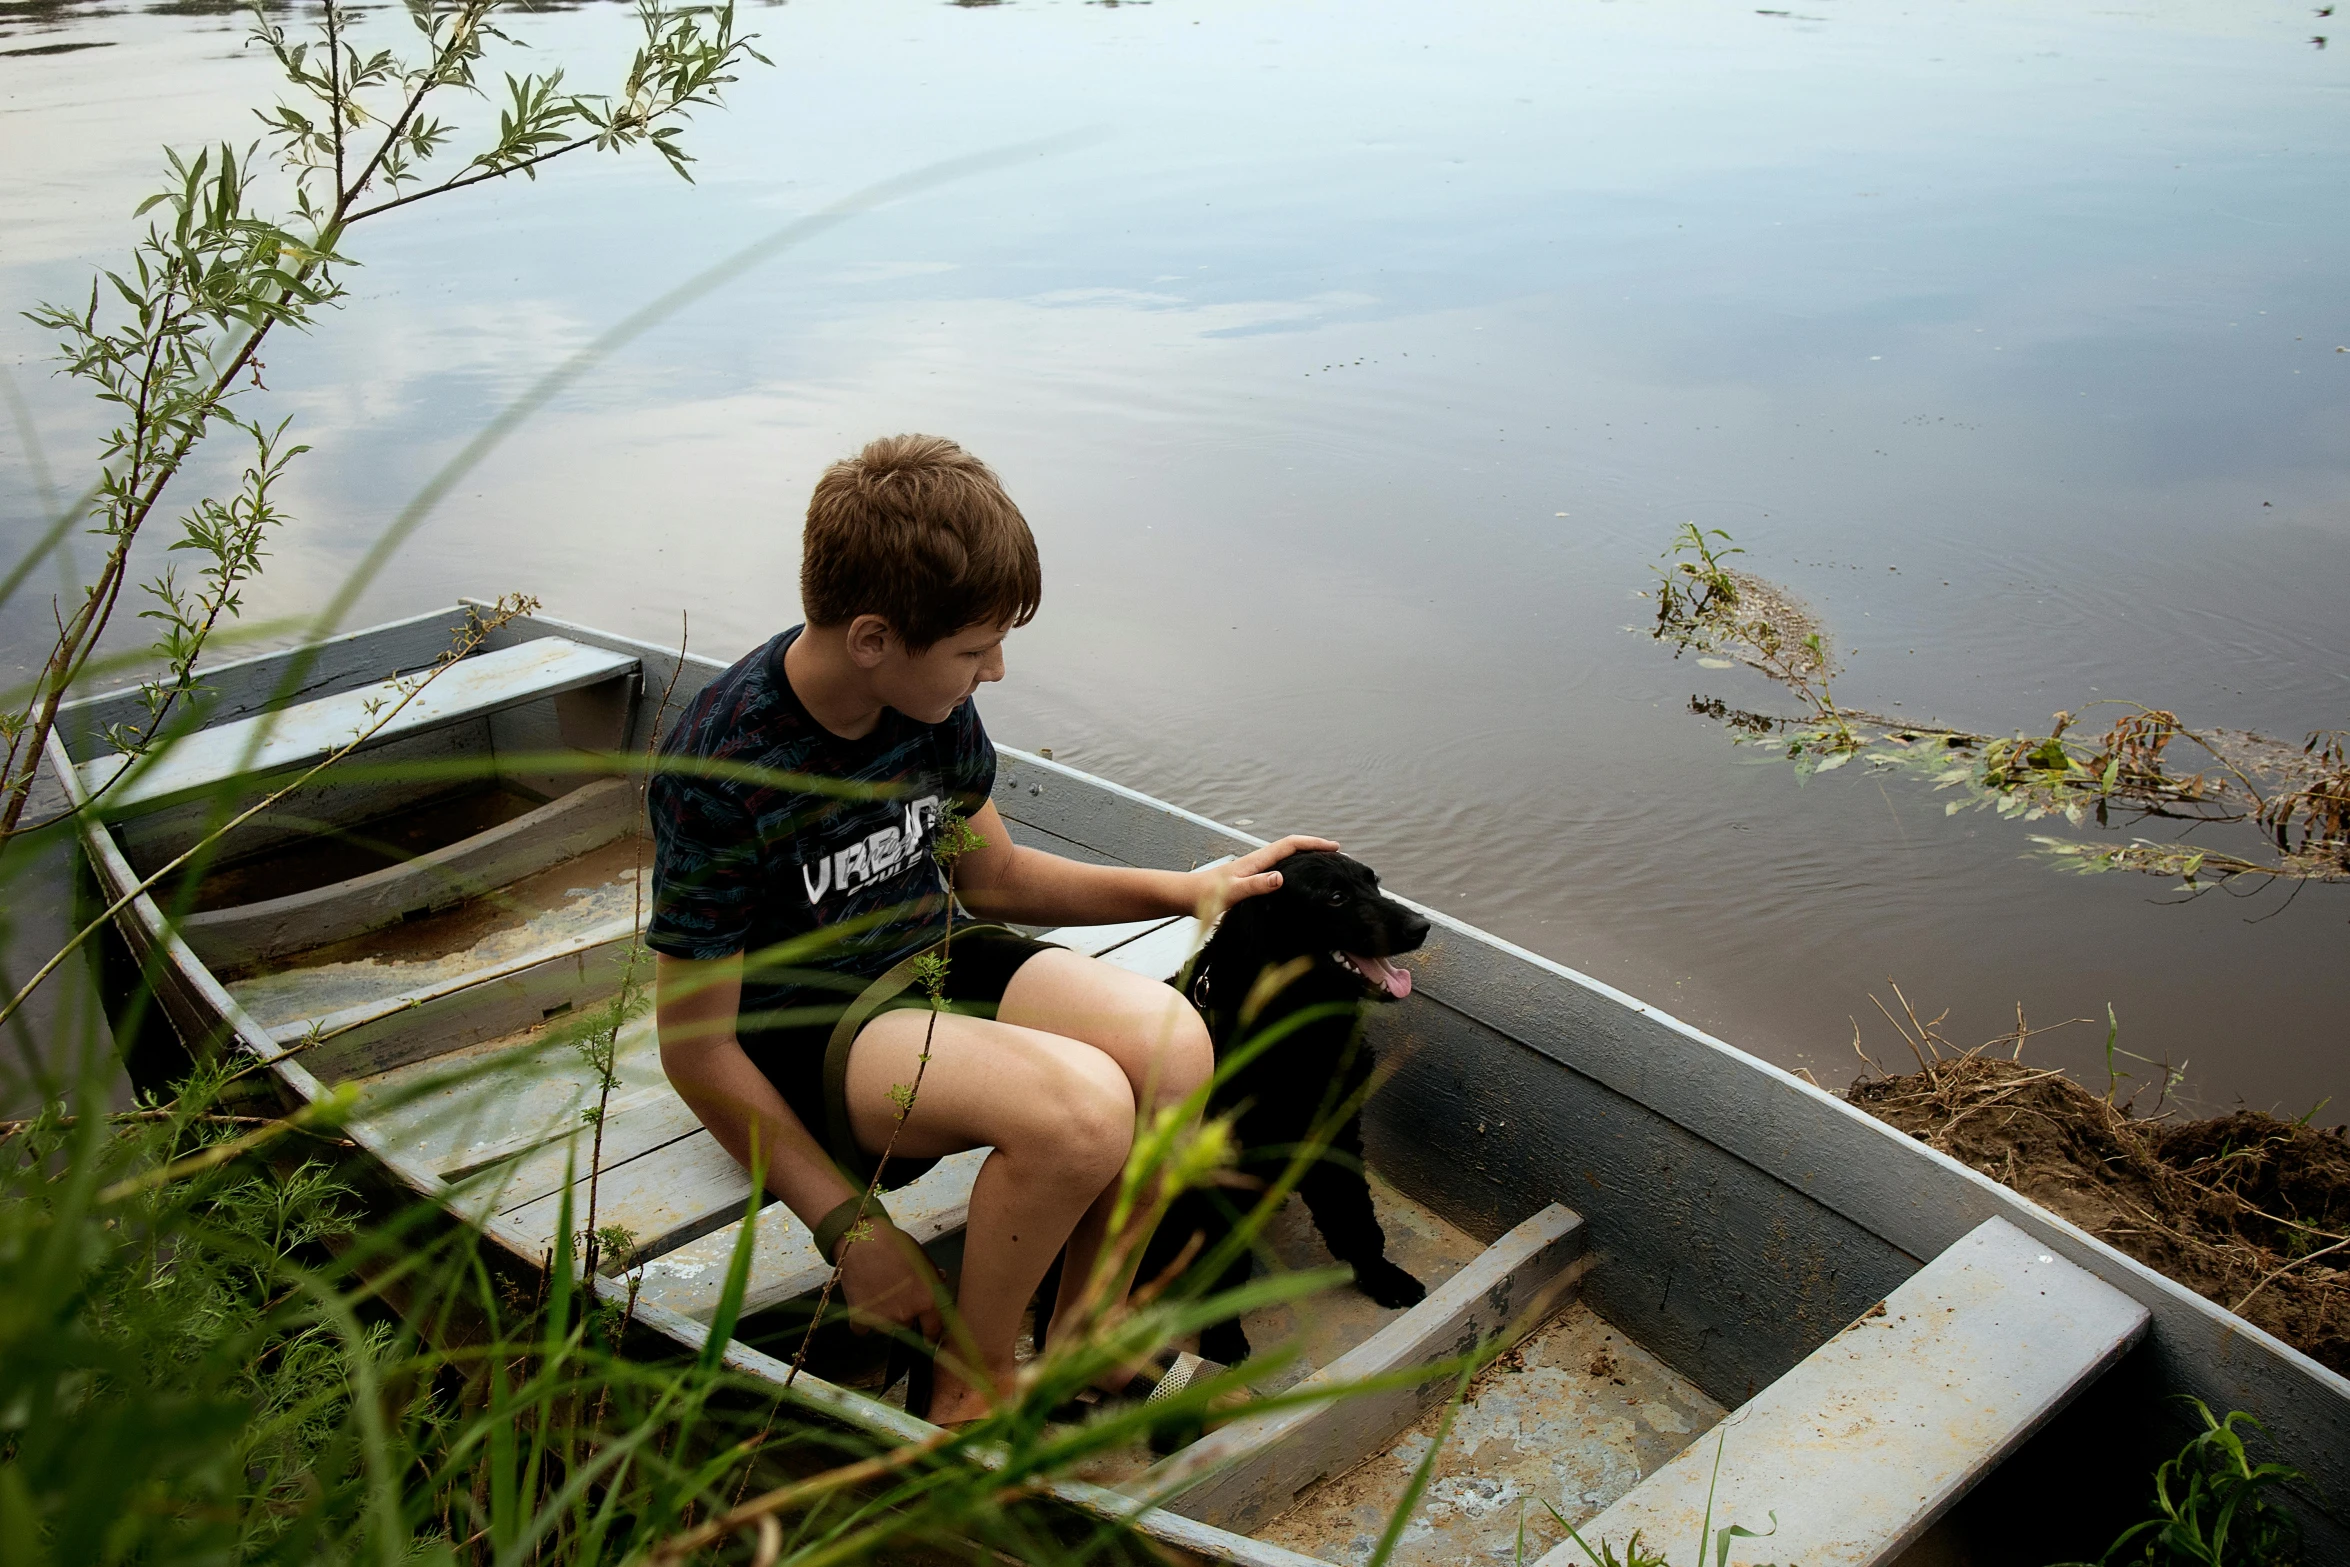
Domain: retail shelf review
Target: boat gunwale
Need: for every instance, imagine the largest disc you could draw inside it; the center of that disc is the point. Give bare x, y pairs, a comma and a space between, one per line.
208, 699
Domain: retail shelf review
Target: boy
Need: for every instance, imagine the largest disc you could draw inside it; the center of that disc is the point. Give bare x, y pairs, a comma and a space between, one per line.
794, 816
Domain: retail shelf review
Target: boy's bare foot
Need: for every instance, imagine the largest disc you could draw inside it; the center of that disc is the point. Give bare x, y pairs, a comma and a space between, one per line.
954, 1402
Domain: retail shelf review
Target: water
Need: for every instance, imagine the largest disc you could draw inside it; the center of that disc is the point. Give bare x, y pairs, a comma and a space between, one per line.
1354, 362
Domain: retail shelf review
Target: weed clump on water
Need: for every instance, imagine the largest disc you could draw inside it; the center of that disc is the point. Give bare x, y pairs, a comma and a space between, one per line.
2147, 764
2249, 1211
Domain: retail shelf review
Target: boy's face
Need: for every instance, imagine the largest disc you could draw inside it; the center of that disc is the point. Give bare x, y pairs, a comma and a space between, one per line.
930, 685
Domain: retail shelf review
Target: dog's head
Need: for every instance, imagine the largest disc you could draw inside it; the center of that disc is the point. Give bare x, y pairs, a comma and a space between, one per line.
1330, 906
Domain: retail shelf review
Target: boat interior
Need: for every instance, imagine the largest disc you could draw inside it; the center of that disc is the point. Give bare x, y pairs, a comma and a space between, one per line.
442, 924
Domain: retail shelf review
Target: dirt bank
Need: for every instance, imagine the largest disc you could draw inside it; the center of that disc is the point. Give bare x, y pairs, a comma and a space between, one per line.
2246, 1210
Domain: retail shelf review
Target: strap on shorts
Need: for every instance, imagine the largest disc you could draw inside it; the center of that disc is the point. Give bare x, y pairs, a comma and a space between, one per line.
839, 1135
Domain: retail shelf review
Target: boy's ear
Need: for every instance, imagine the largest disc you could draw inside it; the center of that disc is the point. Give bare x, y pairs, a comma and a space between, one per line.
869, 639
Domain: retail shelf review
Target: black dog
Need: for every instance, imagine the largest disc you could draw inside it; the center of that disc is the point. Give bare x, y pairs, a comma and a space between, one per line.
1329, 911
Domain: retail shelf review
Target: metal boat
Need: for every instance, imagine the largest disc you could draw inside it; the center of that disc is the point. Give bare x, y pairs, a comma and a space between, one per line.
1732, 1295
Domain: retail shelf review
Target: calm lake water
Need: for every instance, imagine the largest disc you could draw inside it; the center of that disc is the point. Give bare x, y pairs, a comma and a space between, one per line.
1354, 363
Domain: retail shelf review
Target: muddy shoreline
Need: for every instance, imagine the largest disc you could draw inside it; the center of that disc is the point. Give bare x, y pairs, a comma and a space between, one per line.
2247, 1210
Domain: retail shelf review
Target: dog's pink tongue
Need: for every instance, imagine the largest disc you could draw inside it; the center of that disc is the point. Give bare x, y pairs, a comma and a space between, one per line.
1395, 979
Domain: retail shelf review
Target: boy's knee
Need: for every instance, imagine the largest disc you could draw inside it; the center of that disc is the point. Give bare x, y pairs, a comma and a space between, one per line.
1086, 1126
1188, 1058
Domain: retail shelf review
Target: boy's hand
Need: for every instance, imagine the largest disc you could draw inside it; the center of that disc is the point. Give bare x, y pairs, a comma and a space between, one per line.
1252, 875
885, 1277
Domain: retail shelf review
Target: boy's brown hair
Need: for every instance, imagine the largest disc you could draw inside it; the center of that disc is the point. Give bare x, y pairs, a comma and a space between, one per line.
918, 531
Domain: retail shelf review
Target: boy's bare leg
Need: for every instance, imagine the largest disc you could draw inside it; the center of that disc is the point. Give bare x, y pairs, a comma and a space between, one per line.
1144, 1025
1060, 1117
1058, 1110
1159, 1043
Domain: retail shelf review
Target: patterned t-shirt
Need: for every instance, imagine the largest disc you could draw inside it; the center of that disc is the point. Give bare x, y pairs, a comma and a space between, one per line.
808, 853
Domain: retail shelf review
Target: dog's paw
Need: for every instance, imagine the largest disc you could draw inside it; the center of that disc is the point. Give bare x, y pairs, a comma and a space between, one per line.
1388, 1284
1226, 1344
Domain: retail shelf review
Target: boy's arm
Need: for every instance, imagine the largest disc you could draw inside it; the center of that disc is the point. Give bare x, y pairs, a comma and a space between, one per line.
1006, 881
695, 1005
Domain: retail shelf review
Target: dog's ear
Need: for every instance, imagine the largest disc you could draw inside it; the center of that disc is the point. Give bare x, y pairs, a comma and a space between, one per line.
1241, 929
1232, 954
1247, 917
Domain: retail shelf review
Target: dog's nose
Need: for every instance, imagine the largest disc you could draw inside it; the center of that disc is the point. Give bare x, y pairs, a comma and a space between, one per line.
1415, 930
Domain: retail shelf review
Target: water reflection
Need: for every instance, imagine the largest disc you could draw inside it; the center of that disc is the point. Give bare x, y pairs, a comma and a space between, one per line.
1354, 376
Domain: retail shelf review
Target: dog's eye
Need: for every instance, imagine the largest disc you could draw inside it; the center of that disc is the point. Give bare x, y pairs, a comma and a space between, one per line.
1337, 898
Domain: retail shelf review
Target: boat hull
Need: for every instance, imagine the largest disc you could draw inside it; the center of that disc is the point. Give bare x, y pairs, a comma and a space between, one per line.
1737, 1216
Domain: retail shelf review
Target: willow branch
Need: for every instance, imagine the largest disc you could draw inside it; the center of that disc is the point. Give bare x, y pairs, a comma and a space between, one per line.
462, 181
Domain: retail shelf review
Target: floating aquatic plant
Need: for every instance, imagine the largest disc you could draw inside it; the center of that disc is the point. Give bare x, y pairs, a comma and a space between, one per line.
2147, 764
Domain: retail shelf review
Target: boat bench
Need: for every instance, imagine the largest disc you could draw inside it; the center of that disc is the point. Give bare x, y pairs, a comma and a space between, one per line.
307, 733
247, 934
1876, 1434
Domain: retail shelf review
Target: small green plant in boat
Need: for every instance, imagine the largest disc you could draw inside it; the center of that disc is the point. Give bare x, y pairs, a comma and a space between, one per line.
1637, 1554
2213, 1506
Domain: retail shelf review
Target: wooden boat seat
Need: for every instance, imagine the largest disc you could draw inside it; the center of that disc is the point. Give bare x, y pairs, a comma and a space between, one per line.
303, 735
1245, 1474
245, 934
1869, 1440
510, 1179
674, 1192
501, 1121
784, 1261
498, 1101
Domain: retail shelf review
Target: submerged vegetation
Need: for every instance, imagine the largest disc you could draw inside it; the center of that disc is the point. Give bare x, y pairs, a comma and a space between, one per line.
2147, 764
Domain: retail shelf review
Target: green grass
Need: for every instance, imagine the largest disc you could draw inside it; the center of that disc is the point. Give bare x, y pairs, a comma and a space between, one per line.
2213, 1506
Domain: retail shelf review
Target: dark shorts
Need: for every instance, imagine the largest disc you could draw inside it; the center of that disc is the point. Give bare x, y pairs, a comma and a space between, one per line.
809, 1062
